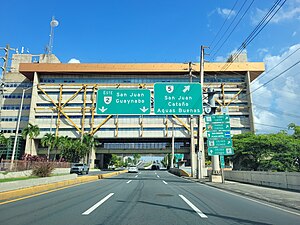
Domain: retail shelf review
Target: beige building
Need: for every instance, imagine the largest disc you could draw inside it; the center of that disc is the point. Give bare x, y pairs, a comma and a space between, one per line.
61, 98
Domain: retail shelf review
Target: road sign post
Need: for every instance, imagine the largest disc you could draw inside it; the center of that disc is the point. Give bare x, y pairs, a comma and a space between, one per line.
123, 101
177, 98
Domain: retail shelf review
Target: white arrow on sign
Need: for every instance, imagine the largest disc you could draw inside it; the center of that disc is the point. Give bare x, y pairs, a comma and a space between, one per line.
186, 88
102, 109
211, 151
144, 109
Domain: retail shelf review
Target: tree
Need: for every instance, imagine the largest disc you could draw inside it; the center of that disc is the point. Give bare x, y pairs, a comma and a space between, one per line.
136, 158
296, 130
32, 131
3, 140
276, 152
48, 141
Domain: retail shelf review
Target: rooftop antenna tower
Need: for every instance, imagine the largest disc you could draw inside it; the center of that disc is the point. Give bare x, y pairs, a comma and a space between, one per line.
53, 23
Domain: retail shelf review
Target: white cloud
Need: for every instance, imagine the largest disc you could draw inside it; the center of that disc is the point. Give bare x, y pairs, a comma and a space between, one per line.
294, 34
288, 12
73, 60
226, 12
274, 102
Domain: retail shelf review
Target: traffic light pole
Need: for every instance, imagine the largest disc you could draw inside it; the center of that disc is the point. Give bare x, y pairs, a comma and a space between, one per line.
201, 153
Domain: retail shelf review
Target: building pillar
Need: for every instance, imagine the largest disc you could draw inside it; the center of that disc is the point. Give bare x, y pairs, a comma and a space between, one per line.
249, 99
92, 157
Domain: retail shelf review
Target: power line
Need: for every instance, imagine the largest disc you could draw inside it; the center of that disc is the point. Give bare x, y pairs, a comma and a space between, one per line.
229, 35
256, 31
277, 111
224, 23
229, 25
276, 65
275, 77
268, 125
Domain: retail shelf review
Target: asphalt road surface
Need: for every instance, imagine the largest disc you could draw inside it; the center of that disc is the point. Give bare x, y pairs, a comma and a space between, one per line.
149, 197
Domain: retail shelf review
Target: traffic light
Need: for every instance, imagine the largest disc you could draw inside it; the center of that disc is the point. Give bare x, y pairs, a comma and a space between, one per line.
210, 105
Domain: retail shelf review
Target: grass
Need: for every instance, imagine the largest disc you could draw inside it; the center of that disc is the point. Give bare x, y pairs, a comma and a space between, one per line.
17, 178
27, 178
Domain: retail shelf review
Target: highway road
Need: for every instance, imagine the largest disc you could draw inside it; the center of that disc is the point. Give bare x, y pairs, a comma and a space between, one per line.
149, 197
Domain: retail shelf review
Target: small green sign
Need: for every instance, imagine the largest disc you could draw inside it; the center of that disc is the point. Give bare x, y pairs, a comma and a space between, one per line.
178, 156
222, 161
218, 127
220, 151
217, 118
219, 142
178, 98
123, 101
218, 134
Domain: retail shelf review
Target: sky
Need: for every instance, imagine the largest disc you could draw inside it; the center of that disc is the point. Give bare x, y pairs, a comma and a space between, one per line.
98, 31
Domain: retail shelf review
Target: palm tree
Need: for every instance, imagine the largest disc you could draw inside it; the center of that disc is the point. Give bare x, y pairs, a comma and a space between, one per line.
3, 140
32, 131
48, 141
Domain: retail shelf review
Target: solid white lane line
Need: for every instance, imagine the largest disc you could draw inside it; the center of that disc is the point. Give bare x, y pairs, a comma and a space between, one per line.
128, 181
198, 211
157, 176
136, 176
165, 182
87, 212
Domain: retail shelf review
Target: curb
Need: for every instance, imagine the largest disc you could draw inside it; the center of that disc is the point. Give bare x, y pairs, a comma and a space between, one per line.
46, 187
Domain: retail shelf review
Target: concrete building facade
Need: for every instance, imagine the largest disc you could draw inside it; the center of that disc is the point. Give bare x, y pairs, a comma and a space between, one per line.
61, 99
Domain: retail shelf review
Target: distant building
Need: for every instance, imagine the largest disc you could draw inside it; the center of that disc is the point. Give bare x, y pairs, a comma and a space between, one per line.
60, 98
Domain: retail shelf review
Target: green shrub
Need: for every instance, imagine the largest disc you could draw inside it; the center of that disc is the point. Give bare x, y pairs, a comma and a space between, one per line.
43, 170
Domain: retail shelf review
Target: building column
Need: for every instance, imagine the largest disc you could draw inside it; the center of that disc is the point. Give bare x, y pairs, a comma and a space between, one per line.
34, 94
250, 106
92, 157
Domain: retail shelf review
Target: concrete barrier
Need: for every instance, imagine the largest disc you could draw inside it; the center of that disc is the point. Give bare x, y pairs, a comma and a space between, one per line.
284, 180
179, 172
50, 184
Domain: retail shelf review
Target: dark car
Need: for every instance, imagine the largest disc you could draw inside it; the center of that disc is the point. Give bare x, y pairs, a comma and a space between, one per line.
80, 168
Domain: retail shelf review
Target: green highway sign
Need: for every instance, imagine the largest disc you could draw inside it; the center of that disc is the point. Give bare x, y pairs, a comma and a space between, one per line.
222, 161
178, 156
218, 127
218, 134
123, 101
219, 142
178, 98
220, 151
217, 118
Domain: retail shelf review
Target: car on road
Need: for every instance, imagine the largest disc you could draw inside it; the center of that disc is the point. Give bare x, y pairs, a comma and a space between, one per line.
133, 169
80, 168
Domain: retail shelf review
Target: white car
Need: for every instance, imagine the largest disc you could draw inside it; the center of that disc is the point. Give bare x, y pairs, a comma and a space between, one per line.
133, 169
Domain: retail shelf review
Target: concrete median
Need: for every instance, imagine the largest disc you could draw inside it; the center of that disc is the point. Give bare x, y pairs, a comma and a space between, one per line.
6, 195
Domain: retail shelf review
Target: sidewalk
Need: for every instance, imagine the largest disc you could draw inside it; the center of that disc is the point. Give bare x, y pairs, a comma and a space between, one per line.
290, 199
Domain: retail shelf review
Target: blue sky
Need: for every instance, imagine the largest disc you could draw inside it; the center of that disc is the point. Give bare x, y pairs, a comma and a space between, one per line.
165, 31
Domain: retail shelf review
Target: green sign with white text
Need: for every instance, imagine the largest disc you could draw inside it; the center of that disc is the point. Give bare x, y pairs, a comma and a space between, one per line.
218, 126
123, 101
217, 118
219, 142
177, 98
220, 151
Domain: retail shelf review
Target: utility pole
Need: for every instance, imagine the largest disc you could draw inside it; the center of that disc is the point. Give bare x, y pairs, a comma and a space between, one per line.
192, 143
173, 147
201, 153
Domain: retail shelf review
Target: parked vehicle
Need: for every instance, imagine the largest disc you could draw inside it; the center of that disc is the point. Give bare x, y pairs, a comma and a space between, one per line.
80, 168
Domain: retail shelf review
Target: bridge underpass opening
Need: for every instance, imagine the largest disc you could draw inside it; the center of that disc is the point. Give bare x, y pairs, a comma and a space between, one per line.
143, 146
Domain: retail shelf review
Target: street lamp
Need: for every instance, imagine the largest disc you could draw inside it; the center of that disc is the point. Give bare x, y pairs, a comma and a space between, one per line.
18, 126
